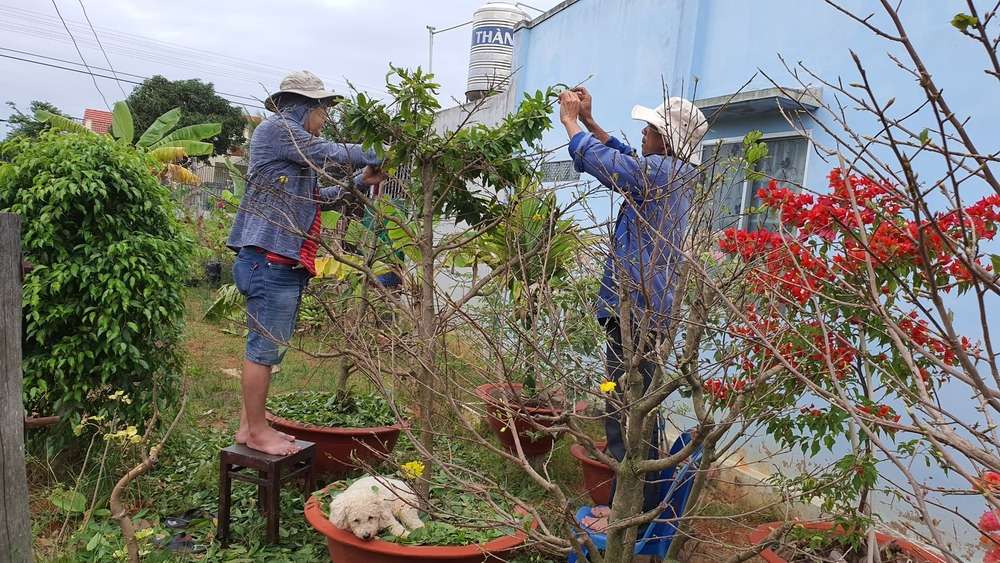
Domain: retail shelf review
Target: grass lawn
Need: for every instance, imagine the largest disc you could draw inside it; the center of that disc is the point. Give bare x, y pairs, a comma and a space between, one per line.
187, 474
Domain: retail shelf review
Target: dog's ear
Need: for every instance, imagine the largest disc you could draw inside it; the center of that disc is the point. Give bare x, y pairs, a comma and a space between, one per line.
338, 514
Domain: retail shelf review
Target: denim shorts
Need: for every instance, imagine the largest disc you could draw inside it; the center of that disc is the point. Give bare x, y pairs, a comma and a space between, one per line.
273, 293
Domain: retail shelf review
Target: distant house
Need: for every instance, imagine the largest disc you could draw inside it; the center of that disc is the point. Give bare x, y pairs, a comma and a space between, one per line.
96, 120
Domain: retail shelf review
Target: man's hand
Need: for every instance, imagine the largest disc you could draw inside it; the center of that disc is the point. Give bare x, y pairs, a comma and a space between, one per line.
586, 104
569, 107
586, 115
372, 175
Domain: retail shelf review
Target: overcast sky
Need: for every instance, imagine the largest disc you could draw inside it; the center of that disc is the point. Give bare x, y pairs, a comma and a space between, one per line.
235, 45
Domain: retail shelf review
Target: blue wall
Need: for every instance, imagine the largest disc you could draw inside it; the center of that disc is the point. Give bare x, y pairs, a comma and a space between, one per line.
635, 48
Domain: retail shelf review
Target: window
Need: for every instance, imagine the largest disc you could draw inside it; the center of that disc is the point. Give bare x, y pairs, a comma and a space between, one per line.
559, 171
735, 198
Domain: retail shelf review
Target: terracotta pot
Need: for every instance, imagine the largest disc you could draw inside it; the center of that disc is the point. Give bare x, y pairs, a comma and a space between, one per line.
914, 551
596, 475
345, 547
339, 450
491, 394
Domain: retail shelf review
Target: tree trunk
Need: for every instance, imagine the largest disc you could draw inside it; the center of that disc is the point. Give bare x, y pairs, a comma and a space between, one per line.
118, 511
343, 373
15, 519
426, 330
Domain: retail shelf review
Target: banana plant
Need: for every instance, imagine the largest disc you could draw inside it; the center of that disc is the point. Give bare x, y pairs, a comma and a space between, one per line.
162, 141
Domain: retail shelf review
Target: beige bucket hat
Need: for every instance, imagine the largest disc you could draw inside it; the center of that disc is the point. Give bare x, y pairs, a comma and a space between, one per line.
303, 83
680, 122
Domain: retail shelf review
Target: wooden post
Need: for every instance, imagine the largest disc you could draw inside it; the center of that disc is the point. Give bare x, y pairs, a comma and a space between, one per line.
15, 523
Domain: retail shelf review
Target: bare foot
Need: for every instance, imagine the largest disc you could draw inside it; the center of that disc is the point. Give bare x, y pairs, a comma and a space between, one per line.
242, 434
271, 442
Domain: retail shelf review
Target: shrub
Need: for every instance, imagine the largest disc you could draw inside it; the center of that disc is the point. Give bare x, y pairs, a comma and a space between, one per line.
103, 308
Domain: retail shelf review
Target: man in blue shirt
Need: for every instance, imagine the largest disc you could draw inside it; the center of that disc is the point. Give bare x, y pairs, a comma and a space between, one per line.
656, 188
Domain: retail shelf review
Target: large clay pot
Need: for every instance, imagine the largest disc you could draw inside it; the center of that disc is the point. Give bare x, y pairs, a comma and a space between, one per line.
497, 403
339, 450
345, 547
914, 551
597, 476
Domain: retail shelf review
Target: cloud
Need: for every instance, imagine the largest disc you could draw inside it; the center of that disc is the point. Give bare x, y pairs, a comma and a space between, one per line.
243, 48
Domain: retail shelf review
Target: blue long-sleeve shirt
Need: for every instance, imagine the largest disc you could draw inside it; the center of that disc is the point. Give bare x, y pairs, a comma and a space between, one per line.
649, 229
281, 198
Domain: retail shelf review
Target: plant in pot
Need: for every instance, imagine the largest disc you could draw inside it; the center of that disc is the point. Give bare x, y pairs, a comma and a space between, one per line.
350, 429
434, 170
458, 526
545, 246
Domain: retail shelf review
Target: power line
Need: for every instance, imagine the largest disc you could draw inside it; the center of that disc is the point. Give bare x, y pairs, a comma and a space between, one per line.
57, 59
163, 52
98, 39
79, 52
94, 75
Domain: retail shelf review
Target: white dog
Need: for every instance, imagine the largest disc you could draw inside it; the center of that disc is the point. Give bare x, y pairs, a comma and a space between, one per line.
373, 504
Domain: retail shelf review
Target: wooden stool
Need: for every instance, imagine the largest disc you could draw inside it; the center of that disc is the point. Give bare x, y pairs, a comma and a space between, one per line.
236, 461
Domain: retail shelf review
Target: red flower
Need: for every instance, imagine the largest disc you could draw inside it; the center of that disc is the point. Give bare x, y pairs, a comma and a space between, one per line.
988, 522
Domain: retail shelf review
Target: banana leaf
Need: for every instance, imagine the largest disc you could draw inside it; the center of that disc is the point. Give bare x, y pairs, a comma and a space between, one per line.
159, 128
194, 148
122, 125
180, 174
168, 154
198, 132
61, 123
228, 305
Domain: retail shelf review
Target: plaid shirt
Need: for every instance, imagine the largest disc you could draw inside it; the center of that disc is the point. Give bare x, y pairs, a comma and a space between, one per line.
279, 206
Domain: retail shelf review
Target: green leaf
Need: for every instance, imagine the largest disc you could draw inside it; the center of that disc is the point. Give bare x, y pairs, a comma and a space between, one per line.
925, 136
192, 148
68, 501
122, 126
92, 544
239, 182
228, 303
995, 261
198, 132
330, 219
962, 21
159, 128
61, 123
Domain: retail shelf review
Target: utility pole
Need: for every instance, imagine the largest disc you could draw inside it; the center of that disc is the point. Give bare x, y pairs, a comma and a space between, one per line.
430, 48
431, 32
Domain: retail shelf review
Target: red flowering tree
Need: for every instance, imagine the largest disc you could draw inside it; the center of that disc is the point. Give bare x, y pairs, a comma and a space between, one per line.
874, 298
853, 311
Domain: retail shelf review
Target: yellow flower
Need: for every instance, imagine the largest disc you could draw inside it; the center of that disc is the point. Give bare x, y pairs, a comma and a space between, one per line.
130, 434
120, 396
412, 469
607, 386
282, 180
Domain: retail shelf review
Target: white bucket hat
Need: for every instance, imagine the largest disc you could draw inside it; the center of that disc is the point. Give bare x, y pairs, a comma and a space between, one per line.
303, 83
680, 122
